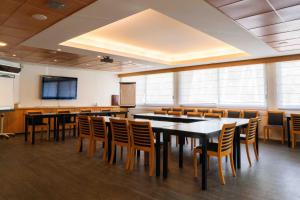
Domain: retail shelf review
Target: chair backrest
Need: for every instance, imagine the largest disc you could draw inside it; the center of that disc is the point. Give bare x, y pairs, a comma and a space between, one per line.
84, 125
251, 129
186, 110
105, 110
176, 113
226, 138
248, 114
212, 115
98, 127
86, 111
203, 110
142, 135
275, 118
194, 114
234, 113
177, 109
120, 130
219, 111
166, 109
295, 122
160, 112
36, 121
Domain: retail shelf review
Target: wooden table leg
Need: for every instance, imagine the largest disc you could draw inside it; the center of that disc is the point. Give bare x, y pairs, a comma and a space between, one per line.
165, 155
157, 154
204, 164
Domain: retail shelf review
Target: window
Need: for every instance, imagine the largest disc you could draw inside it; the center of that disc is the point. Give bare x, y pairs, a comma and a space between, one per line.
288, 84
198, 87
156, 89
242, 86
232, 86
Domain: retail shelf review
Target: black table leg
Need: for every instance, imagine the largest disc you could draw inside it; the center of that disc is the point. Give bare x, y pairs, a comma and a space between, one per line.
26, 128
55, 129
49, 127
157, 154
204, 164
165, 155
257, 140
238, 149
288, 127
109, 138
181, 143
33, 132
63, 128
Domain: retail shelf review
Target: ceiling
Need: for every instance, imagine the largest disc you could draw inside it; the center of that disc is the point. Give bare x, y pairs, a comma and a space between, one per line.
276, 22
248, 30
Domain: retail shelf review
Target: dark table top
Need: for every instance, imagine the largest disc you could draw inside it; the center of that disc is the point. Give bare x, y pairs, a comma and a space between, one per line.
77, 113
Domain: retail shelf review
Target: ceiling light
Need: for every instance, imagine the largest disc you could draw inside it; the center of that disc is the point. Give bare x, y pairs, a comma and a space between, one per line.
2, 44
58, 49
55, 4
14, 55
55, 60
99, 56
87, 64
39, 17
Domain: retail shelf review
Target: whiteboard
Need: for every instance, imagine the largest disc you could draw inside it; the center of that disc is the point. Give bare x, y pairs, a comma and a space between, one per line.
127, 94
6, 93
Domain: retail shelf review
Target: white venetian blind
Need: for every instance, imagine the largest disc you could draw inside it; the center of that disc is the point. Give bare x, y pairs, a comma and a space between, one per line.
159, 89
288, 84
242, 86
198, 87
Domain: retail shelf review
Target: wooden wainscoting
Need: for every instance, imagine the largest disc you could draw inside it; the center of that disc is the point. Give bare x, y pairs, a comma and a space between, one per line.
14, 122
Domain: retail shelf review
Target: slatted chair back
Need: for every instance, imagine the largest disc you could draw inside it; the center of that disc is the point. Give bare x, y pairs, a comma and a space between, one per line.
98, 127
120, 131
212, 115
194, 114
84, 126
86, 111
275, 118
295, 122
142, 135
176, 113
248, 114
219, 111
226, 138
251, 129
177, 109
160, 112
166, 109
186, 110
204, 110
234, 113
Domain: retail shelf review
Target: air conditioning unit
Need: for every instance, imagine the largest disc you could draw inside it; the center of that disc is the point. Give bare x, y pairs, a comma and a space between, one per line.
8, 68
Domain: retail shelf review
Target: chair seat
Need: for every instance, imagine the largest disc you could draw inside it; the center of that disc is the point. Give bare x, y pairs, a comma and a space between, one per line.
210, 147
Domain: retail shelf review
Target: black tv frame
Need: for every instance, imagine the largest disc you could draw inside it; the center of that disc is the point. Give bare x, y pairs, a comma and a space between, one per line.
58, 98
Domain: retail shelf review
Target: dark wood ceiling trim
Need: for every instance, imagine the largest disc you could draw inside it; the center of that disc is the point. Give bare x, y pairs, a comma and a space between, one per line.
217, 65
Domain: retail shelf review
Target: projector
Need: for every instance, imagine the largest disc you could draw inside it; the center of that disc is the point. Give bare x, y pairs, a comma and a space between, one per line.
107, 59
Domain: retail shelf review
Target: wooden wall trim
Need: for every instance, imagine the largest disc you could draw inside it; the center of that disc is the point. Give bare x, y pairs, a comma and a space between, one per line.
217, 65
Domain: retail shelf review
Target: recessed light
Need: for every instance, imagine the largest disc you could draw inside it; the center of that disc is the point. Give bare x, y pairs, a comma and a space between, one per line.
99, 56
55, 60
58, 49
39, 17
2, 44
14, 55
87, 64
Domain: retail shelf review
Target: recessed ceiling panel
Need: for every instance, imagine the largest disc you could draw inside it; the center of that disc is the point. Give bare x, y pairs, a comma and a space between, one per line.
153, 36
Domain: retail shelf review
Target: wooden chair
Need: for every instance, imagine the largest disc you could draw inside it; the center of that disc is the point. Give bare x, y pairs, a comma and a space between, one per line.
219, 111
221, 149
160, 112
234, 113
194, 114
40, 124
186, 110
248, 114
99, 133
86, 111
275, 121
84, 133
142, 140
295, 128
70, 122
121, 138
212, 115
204, 110
249, 138
166, 109
178, 109
176, 113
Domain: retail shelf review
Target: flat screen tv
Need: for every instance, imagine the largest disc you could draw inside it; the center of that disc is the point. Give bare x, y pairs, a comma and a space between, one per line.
56, 87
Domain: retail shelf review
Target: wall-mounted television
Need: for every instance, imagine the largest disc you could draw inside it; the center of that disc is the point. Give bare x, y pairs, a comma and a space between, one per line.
56, 87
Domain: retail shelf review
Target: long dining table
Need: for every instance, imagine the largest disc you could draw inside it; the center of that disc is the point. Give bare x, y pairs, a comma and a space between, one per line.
203, 128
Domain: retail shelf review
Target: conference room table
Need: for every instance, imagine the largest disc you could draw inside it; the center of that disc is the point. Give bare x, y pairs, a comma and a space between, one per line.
203, 128
60, 119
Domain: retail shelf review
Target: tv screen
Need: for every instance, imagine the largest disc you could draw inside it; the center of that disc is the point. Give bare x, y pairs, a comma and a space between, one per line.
55, 87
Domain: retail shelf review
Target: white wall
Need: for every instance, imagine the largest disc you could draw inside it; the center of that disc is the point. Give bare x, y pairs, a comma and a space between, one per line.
94, 86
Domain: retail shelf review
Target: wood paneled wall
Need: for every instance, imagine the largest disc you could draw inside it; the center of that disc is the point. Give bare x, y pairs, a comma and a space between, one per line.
14, 122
